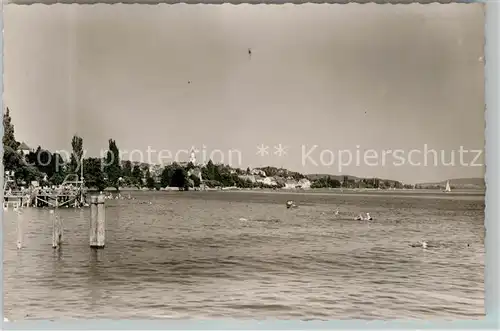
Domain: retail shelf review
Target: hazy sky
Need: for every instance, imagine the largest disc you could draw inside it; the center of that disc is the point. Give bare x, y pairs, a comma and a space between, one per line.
172, 76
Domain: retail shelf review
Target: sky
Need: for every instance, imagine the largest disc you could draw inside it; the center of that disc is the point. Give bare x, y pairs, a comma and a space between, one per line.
322, 80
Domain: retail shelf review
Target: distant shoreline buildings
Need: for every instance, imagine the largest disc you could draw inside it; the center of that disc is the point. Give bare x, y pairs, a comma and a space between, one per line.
27, 165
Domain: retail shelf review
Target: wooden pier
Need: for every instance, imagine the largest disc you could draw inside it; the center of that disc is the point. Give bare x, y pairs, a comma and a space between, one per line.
12, 195
71, 193
46, 198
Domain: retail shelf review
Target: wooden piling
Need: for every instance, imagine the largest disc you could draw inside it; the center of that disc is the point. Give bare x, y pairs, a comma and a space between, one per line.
97, 222
19, 230
57, 230
93, 221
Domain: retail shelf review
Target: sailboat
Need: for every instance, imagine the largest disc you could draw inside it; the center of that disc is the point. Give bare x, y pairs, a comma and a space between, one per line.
448, 188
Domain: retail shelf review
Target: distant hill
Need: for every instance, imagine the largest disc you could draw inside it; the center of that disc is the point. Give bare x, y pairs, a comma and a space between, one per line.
340, 178
460, 183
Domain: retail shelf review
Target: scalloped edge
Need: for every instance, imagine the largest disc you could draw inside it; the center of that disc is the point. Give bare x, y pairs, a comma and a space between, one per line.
235, 2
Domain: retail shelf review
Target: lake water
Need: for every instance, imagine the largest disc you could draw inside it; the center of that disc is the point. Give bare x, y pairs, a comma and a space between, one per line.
190, 255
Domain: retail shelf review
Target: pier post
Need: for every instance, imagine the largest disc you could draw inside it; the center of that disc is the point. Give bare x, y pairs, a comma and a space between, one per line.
19, 230
97, 222
57, 230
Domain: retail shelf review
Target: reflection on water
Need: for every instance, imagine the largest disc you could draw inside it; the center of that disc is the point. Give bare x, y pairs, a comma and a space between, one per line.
244, 255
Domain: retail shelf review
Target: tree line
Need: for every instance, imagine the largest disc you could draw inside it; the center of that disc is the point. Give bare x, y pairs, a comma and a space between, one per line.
109, 171
51, 168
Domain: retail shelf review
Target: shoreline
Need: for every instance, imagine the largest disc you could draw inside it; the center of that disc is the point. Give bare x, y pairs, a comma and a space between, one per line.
399, 193
430, 194
313, 190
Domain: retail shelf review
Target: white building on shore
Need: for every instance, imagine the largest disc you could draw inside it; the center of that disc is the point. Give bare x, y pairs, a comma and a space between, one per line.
291, 184
267, 181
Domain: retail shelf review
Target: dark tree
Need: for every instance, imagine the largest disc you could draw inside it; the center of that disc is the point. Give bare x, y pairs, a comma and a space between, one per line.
196, 180
127, 168
217, 174
93, 173
150, 182
179, 178
57, 178
76, 155
326, 182
167, 174
11, 158
208, 172
137, 175
28, 174
345, 180
9, 139
43, 160
113, 169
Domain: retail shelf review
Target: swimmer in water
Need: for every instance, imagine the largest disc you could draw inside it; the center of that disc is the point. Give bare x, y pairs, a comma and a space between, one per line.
421, 243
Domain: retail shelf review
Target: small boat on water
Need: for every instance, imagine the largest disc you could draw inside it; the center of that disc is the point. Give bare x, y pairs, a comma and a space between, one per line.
421, 243
448, 188
360, 217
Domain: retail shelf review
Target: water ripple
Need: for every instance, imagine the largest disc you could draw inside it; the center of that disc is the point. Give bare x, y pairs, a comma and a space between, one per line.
208, 255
